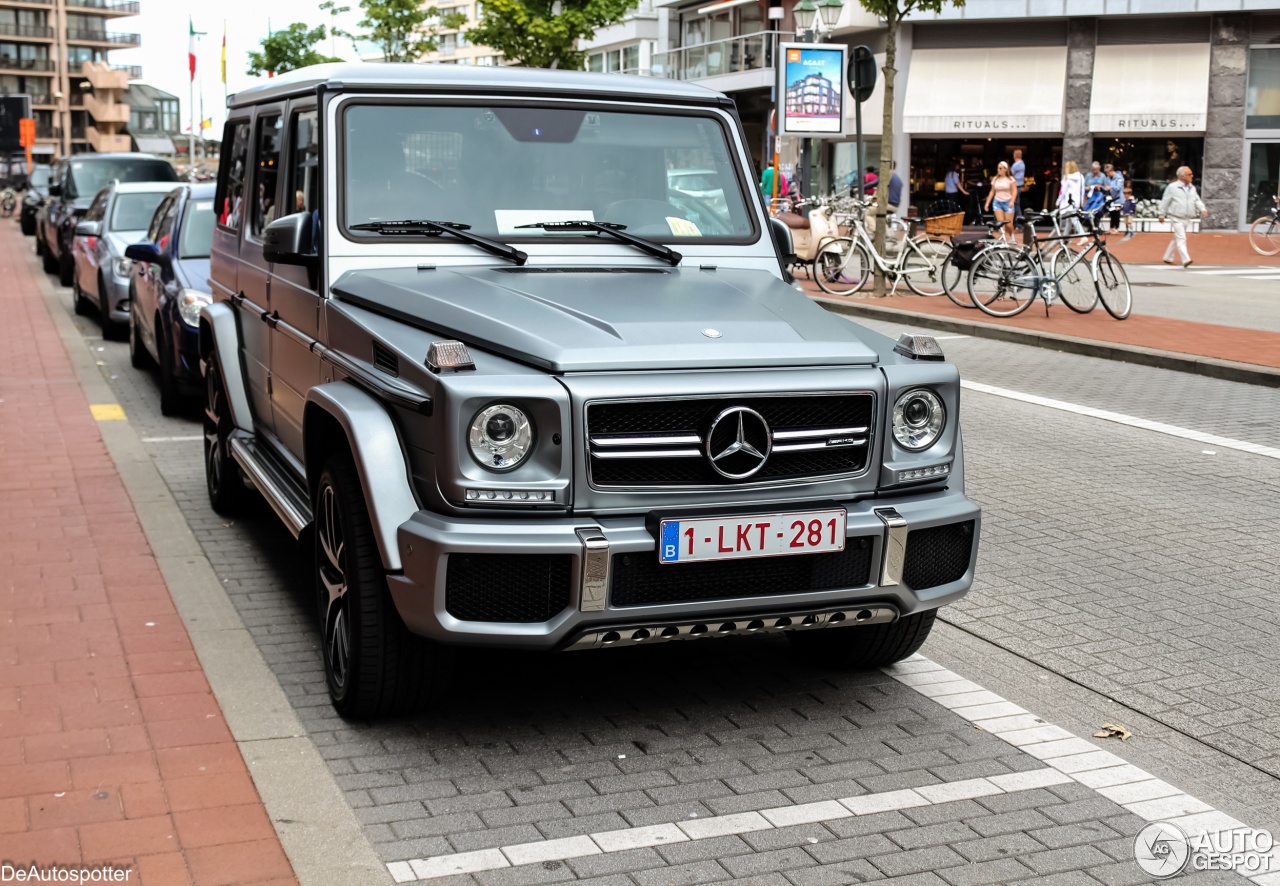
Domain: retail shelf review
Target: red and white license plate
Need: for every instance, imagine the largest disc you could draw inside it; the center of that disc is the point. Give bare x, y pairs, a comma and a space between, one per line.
740, 538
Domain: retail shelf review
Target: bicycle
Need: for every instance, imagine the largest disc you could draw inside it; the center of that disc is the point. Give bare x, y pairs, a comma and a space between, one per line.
1264, 233
917, 260
1005, 280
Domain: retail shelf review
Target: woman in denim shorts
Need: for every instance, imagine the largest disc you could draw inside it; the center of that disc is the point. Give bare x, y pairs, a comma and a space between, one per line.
1004, 192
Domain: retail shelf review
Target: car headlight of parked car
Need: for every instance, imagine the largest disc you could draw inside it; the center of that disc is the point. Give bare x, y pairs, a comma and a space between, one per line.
918, 419
189, 304
501, 437
124, 266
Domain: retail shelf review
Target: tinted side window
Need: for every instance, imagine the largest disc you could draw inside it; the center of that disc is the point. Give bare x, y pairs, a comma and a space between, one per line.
267, 161
95, 210
304, 163
153, 231
164, 229
231, 179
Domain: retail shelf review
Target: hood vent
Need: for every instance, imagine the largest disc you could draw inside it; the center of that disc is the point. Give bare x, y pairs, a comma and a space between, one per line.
385, 360
527, 270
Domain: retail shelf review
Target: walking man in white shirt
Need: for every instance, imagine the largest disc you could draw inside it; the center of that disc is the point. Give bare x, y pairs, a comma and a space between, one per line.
1180, 205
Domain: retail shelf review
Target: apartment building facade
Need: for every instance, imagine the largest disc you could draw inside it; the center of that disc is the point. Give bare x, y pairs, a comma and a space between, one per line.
56, 51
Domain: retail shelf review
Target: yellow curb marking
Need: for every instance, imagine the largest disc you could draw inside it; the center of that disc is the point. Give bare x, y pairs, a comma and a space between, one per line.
107, 411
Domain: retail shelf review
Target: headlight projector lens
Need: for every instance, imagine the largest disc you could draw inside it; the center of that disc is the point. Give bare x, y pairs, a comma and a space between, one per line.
500, 437
918, 419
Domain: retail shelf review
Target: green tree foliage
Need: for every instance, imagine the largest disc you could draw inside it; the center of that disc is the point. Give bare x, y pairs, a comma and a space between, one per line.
893, 12
404, 30
289, 49
545, 33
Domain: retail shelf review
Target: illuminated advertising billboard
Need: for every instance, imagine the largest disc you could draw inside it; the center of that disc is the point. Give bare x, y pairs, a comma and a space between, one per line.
811, 89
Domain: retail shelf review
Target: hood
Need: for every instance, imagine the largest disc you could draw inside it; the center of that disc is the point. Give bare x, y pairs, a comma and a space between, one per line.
583, 319
192, 273
118, 240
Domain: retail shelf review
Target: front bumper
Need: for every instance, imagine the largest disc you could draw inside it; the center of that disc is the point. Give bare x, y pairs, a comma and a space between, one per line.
428, 540
117, 296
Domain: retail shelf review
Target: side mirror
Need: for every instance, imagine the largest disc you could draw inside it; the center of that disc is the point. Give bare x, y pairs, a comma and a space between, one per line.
55, 189
287, 241
782, 240
146, 253
89, 229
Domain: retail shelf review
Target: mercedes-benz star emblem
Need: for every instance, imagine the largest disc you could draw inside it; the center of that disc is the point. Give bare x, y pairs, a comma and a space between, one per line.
711, 333
739, 442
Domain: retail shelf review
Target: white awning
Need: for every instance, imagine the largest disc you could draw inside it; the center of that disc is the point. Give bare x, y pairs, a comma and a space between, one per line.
154, 144
1151, 88
872, 108
997, 91
726, 4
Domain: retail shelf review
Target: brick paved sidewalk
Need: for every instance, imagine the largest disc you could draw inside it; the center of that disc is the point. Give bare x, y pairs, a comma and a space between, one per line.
112, 747
1139, 330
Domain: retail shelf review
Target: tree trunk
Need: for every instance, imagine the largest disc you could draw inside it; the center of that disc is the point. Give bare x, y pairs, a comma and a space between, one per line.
886, 146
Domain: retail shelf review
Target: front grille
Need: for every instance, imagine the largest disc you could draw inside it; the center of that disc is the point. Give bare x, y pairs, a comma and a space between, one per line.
507, 587
664, 442
640, 580
938, 555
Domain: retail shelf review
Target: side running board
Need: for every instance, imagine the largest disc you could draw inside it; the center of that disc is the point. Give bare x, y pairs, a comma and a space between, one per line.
276, 483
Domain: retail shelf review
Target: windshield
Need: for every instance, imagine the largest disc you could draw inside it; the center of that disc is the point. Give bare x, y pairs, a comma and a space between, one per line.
133, 212
197, 230
498, 168
40, 177
88, 177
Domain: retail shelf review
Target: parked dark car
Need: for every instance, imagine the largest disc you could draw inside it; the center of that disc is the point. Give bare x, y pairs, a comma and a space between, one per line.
75, 181
33, 199
168, 287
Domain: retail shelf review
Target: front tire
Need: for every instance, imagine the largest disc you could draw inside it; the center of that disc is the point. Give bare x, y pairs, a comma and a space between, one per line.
79, 303
221, 473
50, 263
1113, 286
170, 396
373, 665
111, 329
138, 356
870, 646
66, 268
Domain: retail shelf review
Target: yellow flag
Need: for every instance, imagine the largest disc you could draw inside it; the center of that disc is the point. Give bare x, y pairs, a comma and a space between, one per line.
224, 53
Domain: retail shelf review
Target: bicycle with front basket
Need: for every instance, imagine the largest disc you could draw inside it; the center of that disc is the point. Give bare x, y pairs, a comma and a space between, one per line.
1005, 279
914, 259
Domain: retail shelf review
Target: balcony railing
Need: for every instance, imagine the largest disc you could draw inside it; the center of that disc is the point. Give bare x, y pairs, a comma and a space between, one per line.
48, 130
733, 55
90, 35
31, 2
134, 71
126, 7
9, 63
40, 32
40, 98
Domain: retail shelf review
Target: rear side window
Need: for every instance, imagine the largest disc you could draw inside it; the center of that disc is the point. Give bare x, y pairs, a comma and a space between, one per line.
267, 160
304, 163
231, 180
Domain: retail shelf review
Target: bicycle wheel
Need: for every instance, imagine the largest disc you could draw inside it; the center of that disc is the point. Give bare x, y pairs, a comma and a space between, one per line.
1001, 282
922, 266
1112, 284
954, 283
1075, 280
984, 286
843, 267
1264, 235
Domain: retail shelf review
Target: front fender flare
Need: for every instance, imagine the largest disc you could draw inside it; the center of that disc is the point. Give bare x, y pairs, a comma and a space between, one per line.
220, 340
380, 461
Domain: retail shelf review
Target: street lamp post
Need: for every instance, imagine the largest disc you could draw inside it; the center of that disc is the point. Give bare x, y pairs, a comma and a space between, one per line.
813, 17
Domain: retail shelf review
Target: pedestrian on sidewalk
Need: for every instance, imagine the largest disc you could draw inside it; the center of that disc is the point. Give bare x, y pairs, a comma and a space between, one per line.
1071, 196
1128, 209
1115, 193
1180, 204
1095, 188
1019, 172
766, 183
1003, 193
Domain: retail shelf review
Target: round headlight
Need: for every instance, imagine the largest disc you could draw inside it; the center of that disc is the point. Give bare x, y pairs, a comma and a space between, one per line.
918, 419
501, 437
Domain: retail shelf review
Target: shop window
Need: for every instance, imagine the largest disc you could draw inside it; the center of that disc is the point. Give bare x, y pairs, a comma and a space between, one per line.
1148, 164
1262, 101
1264, 178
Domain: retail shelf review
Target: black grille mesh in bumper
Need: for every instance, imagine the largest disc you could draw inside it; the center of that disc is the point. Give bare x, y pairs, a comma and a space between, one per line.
507, 587
640, 580
938, 555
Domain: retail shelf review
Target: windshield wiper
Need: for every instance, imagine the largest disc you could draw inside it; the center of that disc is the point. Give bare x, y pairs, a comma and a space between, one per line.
436, 228
617, 232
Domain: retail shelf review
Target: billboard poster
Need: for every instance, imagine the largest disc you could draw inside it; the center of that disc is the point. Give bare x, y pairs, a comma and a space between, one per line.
811, 89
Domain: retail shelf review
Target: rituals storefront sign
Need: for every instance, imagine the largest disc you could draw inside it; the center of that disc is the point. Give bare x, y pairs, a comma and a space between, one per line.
1147, 124
981, 124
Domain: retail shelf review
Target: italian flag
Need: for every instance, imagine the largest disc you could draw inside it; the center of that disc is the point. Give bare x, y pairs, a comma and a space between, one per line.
191, 48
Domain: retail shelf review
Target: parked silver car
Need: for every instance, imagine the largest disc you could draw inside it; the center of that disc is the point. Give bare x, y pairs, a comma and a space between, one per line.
118, 216
508, 392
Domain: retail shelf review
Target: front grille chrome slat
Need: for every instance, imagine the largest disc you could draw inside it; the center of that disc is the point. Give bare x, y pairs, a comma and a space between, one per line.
663, 443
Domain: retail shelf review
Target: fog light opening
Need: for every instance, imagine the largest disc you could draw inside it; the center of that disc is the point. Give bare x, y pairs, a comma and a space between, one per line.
863, 615
697, 630
809, 620
670, 631
639, 635
836, 618
756, 625
782, 623
728, 627
610, 638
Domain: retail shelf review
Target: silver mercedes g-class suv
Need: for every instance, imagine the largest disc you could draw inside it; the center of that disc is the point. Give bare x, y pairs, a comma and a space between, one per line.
512, 388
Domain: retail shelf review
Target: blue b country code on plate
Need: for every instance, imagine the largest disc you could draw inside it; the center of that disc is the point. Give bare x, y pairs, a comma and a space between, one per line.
669, 549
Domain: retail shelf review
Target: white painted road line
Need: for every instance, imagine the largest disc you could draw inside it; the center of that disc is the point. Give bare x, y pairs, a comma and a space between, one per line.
1122, 419
1075, 759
